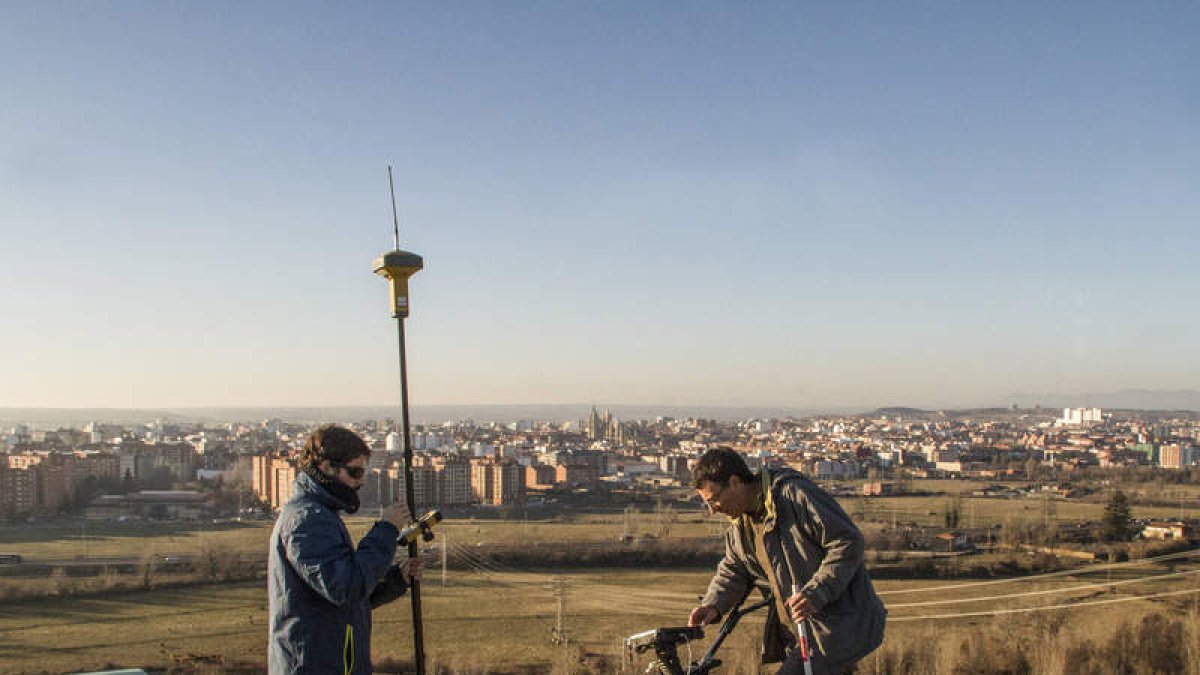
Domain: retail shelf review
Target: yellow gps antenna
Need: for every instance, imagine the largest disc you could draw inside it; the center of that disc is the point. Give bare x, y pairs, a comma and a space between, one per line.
398, 266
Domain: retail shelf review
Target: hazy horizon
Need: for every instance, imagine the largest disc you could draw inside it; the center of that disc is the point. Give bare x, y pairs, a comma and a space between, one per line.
712, 204
560, 412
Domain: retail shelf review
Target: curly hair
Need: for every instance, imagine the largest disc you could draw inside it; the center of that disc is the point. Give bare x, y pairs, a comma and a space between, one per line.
717, 465
332, 442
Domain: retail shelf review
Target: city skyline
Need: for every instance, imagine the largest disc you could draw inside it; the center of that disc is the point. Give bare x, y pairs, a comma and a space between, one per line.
823, 207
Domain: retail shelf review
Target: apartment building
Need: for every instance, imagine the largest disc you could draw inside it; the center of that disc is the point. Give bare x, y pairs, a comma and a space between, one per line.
497, 482
271, 479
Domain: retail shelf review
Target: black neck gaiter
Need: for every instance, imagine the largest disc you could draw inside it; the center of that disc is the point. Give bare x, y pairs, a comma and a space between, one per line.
345, 494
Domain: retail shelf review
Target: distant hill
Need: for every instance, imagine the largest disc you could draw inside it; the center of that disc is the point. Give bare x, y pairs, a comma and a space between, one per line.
964, 413
1127, 399
1130, 400
896, 411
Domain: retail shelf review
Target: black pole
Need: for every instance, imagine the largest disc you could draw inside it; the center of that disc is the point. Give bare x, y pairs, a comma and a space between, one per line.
414, 589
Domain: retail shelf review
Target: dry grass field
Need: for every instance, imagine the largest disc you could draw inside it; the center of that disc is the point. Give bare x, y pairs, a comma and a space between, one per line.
981, 512
495, 620
478, 621
103, 540
492, 619
76, 540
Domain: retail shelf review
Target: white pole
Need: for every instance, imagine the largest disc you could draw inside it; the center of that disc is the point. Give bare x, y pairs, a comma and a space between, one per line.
802, 634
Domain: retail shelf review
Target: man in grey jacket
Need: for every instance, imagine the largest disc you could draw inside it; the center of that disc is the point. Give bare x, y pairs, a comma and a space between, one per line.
321, 587
787, 532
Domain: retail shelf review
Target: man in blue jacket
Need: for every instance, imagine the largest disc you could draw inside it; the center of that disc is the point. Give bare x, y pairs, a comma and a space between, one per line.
321, 587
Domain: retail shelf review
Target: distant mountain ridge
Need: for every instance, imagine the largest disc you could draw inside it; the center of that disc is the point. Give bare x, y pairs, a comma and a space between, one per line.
1126, 399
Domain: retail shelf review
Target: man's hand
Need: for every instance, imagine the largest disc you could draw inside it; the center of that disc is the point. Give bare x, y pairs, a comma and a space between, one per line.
411, 568
800, 606
704, 614
397, 514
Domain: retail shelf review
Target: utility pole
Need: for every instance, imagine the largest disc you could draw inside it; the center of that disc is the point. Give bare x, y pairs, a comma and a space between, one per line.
445, 555
397, 266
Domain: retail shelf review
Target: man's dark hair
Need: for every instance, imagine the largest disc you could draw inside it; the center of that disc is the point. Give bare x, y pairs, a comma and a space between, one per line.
717, 465
330, 442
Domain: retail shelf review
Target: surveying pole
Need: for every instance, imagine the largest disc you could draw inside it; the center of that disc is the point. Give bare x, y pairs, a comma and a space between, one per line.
397, 266
802, 639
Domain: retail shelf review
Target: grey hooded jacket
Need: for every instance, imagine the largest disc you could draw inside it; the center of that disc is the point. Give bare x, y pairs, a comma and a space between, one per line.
809, 541
320, 586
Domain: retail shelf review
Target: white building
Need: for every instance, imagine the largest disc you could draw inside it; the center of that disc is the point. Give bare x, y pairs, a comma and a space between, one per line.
1074, 417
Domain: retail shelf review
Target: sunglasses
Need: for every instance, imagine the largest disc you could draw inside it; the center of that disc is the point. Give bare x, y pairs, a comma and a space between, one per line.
355, 472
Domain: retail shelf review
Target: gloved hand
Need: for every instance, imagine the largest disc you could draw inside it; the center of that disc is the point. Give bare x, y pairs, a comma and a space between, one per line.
393, 585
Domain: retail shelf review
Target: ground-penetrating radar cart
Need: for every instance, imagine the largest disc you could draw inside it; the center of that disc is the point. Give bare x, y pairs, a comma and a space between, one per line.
665, 643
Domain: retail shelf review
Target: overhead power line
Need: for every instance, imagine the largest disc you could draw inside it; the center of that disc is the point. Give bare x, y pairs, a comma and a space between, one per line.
1047, 575
1008, 596
1024, 610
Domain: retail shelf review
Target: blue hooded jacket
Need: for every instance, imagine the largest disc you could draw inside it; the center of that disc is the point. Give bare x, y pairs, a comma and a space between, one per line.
320, 586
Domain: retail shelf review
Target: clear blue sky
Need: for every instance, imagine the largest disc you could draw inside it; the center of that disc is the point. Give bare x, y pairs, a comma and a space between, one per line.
790, 204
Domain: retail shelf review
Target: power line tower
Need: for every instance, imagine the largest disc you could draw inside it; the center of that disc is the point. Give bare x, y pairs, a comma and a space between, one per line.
558, 634
628, 525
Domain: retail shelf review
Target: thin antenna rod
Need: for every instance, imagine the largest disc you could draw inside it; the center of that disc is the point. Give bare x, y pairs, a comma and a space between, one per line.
395, 219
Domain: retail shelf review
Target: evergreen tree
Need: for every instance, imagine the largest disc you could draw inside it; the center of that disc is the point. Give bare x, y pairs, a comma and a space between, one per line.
1117, 518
